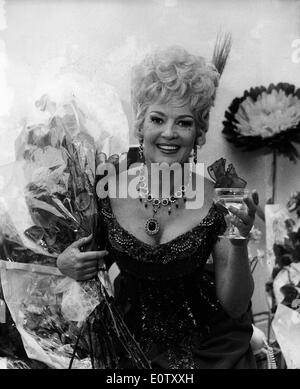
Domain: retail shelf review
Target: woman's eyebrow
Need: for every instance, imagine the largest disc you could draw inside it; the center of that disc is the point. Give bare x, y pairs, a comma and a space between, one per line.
177, 117
158, 112
185, 116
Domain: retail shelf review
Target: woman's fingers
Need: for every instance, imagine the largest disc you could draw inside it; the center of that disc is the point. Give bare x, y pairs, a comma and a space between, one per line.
92, 255
80, 242
98, 265
255, 197
87, 276
83, 263
242, 227
251, 206
245, 217
236, 222
86, 273
89, 269
248, 216
93, 270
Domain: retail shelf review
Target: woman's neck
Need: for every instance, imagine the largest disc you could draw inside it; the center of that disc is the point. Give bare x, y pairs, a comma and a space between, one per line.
163, 180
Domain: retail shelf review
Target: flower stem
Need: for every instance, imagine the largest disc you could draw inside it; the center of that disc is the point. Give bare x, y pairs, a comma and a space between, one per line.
274, 168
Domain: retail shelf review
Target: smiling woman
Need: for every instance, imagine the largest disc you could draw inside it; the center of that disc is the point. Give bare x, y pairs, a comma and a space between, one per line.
183, 314
177, 76
168, 132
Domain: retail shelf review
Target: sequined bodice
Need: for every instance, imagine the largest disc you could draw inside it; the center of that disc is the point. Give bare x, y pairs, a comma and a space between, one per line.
168, 300
173, 259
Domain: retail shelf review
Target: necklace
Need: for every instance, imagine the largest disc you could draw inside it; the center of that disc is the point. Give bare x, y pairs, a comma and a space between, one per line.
152, 225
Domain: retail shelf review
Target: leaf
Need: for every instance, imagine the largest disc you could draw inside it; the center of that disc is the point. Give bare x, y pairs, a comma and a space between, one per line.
35, 233
37, 204
63, 209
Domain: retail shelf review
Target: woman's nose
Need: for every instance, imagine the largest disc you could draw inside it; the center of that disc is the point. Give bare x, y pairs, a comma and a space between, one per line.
169, 131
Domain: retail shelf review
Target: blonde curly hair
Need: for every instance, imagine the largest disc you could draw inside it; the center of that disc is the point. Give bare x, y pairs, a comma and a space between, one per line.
174, 74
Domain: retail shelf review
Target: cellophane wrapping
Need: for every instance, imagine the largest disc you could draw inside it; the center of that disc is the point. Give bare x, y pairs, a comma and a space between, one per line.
35, 300
48, 203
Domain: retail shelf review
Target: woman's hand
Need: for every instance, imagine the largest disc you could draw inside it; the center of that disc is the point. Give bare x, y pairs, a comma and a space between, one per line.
80, 265
243, 219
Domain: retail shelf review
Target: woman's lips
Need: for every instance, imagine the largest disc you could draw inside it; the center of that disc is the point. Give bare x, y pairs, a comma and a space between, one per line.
168, 149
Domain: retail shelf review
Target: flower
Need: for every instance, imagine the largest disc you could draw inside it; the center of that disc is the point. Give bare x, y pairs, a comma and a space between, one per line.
265, 118
269, 114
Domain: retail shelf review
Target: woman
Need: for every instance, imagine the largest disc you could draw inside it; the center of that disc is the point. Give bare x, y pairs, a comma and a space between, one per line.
183, 315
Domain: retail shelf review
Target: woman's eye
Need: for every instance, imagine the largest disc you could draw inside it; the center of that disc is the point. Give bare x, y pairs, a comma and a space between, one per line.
185, 123
156, 120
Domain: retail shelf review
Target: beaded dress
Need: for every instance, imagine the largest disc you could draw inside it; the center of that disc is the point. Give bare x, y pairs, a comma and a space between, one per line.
168, 298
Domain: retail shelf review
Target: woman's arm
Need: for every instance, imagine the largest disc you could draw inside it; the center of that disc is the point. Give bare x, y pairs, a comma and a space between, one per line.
234, 282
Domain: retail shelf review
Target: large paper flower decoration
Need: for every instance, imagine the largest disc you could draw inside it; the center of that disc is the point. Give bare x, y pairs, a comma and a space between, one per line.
265, 118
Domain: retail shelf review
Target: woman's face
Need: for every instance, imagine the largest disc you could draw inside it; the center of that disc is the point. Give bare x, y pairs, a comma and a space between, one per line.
169, 133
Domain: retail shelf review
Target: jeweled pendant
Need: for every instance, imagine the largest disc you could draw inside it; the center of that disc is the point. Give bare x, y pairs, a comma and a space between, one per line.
152, 226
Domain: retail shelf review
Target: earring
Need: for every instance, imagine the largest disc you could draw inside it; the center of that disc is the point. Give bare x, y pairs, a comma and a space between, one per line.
195, 154
141, 150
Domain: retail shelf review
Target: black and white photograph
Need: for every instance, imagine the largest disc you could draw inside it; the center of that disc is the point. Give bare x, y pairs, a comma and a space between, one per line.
149, 187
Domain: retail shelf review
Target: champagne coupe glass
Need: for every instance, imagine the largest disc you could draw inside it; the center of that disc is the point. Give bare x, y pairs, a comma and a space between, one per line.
231, 197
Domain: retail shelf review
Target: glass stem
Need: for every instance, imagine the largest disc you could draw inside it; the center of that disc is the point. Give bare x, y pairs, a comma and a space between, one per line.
231, 230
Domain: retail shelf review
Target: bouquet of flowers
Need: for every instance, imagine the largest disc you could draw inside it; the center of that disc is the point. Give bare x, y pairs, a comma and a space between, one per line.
51, 203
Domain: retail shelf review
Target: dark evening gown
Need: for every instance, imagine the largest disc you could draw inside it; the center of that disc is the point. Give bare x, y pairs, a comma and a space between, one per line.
168, 297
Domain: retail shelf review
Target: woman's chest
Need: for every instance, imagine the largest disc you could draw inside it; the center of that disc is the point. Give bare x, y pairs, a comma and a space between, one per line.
134, 217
